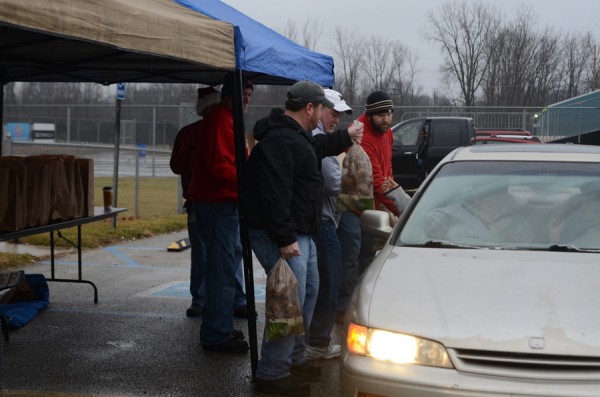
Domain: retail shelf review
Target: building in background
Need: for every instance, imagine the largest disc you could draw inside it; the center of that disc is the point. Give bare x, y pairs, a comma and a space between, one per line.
572, 117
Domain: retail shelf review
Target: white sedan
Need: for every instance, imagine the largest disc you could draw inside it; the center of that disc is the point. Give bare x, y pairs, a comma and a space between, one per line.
489, 285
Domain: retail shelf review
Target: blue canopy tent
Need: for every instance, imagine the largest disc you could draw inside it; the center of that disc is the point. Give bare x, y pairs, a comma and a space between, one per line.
259, 50
167, 41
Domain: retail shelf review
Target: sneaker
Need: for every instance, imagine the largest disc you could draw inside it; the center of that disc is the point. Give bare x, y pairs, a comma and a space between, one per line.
242, 312
323, 353
237, 334
306, 371
195, 310
229, 346
288, 386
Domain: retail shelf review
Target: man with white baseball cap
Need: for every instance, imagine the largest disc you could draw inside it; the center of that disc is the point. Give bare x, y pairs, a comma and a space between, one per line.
339, 104
329, 259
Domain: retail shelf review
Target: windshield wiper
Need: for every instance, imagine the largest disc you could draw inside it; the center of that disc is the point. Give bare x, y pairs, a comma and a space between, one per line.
446, 244
570, 248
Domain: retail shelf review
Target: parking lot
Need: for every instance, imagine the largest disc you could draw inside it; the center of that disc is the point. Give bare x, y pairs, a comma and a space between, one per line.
136, 341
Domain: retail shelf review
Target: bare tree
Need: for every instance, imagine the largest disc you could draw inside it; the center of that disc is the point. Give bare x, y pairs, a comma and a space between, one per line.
378, 64
464, 32
542, 82
348, 49
575, 63
307, 35
10, 93
403, 75
511, 57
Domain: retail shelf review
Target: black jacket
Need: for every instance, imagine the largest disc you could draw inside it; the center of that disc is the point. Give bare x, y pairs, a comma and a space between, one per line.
282, 186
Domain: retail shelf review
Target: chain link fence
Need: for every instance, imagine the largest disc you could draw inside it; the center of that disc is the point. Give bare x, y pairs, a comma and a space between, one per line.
148, 132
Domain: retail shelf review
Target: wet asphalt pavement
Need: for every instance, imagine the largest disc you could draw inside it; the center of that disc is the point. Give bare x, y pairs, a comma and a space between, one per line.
136, 341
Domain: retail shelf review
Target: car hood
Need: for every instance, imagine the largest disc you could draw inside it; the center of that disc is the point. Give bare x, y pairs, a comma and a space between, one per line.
486, 299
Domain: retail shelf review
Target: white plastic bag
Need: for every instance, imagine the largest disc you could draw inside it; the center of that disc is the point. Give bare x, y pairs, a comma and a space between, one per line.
356, 193
282, 307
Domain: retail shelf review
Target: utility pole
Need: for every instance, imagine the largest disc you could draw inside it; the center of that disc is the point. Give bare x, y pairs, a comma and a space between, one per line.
594, 71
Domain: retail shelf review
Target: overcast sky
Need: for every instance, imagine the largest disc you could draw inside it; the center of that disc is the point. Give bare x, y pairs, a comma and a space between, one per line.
403, 20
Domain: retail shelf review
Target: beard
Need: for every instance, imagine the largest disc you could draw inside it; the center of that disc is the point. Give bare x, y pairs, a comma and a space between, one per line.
379, 127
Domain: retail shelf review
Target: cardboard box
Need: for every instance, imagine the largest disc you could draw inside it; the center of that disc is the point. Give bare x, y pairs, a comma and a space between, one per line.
86, 167
38, 192
13, 203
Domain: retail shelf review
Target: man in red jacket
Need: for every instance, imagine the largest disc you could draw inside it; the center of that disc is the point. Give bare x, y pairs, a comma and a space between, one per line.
214, 196
377, 142
181, 164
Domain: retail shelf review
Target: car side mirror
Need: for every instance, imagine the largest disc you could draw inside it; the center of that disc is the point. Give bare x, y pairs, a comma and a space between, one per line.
376, 222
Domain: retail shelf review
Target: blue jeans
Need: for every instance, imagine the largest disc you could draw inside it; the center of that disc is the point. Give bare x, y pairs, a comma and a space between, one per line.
329, 260
349, 235
366, 255
219, 229
277, 356
198, 254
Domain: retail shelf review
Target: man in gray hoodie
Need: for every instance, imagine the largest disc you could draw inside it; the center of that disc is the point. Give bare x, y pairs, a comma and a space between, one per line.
329, 256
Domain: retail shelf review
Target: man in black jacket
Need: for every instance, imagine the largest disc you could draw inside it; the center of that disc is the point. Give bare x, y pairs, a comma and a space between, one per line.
281, 203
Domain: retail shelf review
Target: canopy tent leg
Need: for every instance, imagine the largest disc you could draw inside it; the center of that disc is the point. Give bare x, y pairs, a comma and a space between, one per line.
240, 156
1, 115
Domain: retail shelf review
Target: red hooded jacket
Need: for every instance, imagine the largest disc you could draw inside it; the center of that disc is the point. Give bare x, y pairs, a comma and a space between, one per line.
214, 176
379, 149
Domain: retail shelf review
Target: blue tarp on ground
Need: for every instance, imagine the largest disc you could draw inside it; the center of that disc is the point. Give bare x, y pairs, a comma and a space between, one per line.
19, 314
262, 50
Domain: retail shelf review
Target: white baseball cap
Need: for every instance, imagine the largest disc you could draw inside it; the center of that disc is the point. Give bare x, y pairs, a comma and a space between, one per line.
338, 102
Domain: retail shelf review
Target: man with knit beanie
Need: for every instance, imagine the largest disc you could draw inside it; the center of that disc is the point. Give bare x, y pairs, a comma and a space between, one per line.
377, 142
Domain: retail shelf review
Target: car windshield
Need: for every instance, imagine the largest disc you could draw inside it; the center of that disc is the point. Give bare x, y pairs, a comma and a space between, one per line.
508, 205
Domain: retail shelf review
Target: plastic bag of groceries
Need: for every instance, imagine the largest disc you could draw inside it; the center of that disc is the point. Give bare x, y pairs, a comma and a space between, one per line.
400, 198
356, 192
282, 307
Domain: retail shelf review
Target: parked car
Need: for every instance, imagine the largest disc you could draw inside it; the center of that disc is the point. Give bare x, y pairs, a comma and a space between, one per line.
500, 131
495, 139
444, 134
489, 284
486, 135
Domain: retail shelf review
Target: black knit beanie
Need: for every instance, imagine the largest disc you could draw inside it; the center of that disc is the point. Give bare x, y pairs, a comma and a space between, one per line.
379, 102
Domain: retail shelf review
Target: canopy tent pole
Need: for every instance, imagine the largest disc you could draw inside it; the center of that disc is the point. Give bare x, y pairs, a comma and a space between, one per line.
240, 157
1, 115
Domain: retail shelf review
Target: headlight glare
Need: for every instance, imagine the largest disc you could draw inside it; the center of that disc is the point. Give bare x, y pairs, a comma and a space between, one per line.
397, 348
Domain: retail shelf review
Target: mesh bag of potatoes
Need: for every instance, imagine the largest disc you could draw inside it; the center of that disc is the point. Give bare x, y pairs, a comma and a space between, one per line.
356, 193
282, 307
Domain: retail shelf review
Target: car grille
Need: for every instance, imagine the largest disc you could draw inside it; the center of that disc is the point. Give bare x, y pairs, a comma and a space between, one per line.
522, 365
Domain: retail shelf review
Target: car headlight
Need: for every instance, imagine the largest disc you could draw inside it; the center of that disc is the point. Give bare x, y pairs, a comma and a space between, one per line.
395, 347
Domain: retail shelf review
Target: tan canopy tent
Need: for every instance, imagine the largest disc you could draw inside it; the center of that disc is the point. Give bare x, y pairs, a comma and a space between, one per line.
110, 41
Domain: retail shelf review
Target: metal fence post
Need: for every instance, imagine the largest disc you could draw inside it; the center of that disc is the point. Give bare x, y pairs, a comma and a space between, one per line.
137, 183
68, 124
153, 140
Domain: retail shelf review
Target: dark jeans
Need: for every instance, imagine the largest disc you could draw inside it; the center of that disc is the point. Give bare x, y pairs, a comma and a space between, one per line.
198, 264
278, 355
329, 262
349, 237
219, 228
357, 254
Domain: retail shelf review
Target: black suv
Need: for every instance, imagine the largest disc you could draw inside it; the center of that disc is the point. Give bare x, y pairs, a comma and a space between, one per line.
420, 143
